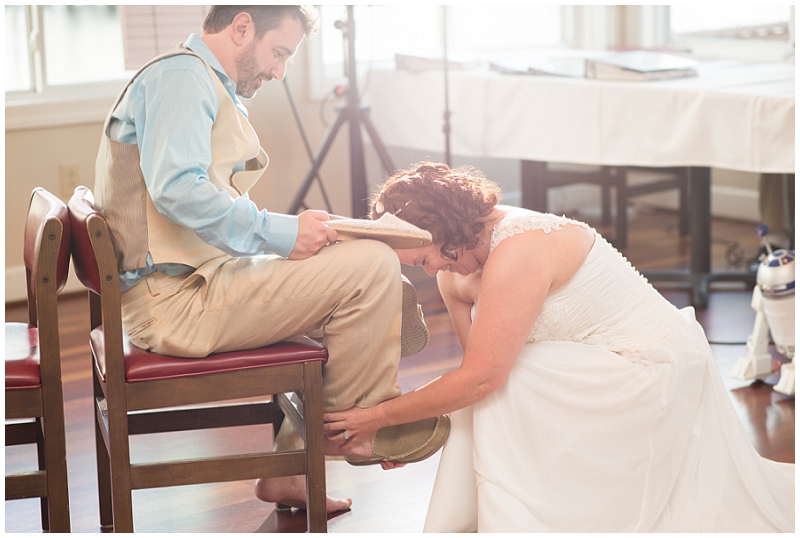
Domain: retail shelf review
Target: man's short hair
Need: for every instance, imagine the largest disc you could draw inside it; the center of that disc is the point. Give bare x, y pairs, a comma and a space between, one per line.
265, 18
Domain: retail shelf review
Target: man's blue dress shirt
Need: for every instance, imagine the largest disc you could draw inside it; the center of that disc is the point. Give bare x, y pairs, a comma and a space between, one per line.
168, 111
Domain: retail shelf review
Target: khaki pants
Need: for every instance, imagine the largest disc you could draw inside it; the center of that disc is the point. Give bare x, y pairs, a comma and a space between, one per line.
350, 291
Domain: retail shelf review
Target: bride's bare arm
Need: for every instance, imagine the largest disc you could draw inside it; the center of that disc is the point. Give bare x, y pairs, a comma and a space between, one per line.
456, 291
515, 280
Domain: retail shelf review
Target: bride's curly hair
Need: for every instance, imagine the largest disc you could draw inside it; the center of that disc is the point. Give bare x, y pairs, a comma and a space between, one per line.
452, 204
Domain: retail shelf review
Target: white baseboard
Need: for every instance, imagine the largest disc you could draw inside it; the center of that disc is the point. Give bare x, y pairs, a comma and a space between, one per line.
734, 203
726, 202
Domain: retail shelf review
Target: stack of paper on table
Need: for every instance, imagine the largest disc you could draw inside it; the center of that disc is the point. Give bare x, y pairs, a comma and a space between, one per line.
628, 65
392, 230
640, 65
557, 66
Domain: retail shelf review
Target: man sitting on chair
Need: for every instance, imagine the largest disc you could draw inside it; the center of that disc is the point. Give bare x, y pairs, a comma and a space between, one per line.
203, 270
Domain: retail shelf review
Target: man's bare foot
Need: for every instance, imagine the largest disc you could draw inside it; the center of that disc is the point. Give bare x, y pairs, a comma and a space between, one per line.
291, 491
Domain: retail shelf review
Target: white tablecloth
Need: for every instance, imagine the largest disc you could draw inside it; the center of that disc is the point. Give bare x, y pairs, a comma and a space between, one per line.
733, 115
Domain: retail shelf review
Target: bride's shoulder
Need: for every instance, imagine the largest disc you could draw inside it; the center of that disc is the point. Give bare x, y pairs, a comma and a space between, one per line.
517, 220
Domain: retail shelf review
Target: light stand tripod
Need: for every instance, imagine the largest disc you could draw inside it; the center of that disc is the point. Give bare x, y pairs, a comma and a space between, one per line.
355, 114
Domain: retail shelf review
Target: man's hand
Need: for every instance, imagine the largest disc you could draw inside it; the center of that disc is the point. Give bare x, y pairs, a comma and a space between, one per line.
312, 234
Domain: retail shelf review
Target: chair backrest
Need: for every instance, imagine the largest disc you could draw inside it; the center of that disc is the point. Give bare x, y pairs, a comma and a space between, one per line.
91, 243
47, 228
96, 267
46, 248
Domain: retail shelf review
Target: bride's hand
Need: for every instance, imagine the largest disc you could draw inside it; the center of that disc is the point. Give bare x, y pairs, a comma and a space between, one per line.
354, 431
348, 425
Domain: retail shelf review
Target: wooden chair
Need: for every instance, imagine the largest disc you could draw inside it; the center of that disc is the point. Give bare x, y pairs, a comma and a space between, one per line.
34, 396
538, 177
133, 389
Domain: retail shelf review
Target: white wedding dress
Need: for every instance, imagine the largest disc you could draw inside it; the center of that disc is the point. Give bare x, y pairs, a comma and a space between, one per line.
614, 418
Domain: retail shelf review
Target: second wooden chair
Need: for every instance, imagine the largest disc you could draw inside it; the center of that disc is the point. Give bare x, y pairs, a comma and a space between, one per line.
34, 401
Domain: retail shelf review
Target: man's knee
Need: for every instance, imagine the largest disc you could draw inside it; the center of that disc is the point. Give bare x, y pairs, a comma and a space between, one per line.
375, 259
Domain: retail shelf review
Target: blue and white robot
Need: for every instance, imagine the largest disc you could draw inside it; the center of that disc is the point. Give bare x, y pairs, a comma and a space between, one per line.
773, 301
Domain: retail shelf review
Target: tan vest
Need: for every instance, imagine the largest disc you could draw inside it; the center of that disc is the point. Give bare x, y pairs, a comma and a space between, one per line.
120, 192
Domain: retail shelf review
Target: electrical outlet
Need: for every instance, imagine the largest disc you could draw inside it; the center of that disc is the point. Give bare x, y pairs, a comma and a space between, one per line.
70, 177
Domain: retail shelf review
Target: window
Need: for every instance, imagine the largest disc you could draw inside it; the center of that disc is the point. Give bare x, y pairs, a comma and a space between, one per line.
82, 55
48, 47
61, 54
738, 32
737, 21
82, 44
18, 67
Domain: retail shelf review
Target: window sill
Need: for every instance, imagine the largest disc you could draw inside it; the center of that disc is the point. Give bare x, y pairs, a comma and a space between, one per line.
739, 50
56, 114
74, 106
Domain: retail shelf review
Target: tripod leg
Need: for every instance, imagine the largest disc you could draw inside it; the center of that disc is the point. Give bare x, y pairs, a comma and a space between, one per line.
327, 140
386, 160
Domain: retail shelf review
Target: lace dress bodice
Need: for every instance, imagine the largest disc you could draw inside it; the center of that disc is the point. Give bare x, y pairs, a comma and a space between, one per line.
607, 302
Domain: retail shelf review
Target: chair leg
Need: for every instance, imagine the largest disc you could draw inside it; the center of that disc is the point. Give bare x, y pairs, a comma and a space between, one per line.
277, 418
316, 514
533, 177
683, 204
120, 462
122, 504
103, 479
103, 464
605, 204
57, 489
621, 231
42, 461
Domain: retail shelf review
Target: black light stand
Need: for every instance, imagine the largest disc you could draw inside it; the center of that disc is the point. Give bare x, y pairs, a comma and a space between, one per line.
355, 114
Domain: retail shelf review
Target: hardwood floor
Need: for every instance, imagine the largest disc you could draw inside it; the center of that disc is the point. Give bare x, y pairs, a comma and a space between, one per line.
393, 501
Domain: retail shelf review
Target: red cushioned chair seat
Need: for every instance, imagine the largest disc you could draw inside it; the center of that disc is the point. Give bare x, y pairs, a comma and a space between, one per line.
22, 357
141, 365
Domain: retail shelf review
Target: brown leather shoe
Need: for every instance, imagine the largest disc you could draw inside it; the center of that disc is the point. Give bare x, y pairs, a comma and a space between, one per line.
408, 443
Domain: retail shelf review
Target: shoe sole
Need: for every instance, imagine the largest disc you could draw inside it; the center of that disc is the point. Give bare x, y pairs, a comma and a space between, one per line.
408, 443
414, 336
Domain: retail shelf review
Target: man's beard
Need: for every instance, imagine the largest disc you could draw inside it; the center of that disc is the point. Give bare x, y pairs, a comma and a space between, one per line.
247, 73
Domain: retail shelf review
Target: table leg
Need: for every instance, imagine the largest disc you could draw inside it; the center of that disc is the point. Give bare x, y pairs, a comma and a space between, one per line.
700, 233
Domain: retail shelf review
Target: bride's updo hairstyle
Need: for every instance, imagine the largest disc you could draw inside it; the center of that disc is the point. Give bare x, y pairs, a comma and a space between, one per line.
452, 204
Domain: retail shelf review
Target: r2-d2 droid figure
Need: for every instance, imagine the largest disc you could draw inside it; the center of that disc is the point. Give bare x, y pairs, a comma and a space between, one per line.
773, 301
